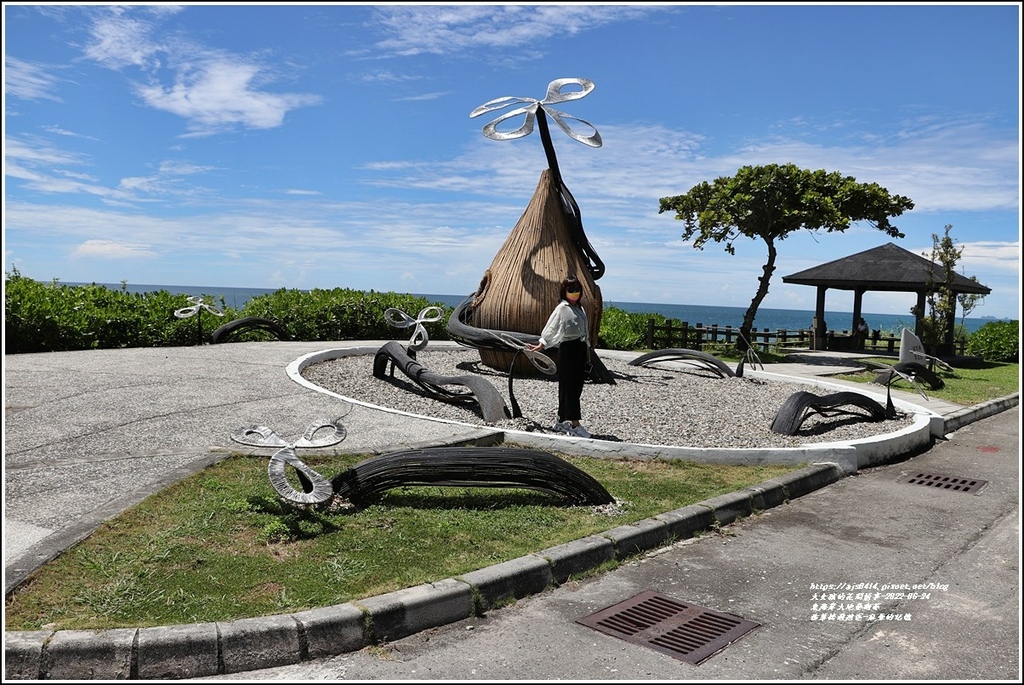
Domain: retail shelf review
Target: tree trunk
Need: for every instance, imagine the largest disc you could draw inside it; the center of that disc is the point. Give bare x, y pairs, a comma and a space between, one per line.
745, 341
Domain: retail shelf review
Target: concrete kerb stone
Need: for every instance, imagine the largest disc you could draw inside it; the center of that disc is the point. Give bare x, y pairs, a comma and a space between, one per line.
404, 612
23, 653
329, 631
688, 521
766, 495
957, 420
91, 654
179, 651
262, 642
634, 538
799, 483
578, 557
500, 584
729, 507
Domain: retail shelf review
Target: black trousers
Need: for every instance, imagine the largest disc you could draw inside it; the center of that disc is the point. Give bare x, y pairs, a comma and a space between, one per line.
572, 364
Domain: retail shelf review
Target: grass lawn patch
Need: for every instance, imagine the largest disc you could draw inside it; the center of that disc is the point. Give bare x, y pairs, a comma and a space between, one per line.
966, 386
221, 545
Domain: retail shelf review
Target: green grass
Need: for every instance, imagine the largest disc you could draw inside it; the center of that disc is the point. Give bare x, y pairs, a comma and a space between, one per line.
221, 545
966, 386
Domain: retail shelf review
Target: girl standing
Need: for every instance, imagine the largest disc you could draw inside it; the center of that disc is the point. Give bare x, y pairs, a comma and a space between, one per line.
566, 329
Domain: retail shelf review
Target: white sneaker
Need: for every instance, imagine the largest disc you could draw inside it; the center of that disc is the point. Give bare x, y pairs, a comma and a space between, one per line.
581, 431
561, 427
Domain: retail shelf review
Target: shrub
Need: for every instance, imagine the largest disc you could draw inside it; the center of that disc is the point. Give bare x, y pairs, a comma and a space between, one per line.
622, 330
342, 314
996, 341
52, 317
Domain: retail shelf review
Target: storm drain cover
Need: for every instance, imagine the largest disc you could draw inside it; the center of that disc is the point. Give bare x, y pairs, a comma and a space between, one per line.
684, 631
943, 482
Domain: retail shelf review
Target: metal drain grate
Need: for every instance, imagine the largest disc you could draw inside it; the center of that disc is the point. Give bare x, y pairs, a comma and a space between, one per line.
943, 482
683, 631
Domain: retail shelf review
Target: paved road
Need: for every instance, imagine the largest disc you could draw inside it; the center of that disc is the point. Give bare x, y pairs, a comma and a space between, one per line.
963, 550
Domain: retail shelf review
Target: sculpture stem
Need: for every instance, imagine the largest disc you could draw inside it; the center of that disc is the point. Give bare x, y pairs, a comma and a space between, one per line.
549, 148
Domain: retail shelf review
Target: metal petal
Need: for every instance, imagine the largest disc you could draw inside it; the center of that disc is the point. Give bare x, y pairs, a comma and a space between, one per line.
593, 140
526, 129
309, 439
554, 90
258, 436
398, 318
322, 488
542, 362
498, 103
186, 312
430, 314
212, 310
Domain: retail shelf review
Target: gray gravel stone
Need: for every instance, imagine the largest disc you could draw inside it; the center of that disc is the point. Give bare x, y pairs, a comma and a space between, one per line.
682, 405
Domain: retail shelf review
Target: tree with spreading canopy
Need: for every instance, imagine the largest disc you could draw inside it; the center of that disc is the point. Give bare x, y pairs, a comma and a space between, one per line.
770, 202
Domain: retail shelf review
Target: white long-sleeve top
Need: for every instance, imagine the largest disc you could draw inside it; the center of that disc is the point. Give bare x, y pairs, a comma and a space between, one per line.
567, 322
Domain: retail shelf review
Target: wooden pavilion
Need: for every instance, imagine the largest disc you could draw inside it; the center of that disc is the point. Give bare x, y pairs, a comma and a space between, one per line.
885, 268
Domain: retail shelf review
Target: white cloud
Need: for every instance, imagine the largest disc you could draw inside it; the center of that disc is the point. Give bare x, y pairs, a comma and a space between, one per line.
217, 94
447, 29
120, 41
28, 81
57, 130
212, 90
990, 256
425, 97
166, 180
109, 249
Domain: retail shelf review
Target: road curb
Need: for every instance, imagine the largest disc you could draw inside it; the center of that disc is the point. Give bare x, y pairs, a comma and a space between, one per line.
959, 419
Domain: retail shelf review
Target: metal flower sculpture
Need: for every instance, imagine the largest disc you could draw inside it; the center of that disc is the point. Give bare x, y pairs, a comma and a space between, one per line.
399, 319
196, 310
316, 488
533, 107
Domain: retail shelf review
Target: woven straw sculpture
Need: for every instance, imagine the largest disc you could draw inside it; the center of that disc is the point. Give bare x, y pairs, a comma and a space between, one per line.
521, 287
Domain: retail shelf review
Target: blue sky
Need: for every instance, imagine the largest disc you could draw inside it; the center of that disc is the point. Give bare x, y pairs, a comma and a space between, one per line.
330, 145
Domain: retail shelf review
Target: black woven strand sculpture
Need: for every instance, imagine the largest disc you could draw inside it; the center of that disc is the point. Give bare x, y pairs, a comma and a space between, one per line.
802, 404
482, 467
701, 359
481, 392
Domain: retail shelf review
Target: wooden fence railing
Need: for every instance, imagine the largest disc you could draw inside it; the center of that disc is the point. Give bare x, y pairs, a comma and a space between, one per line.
681, 334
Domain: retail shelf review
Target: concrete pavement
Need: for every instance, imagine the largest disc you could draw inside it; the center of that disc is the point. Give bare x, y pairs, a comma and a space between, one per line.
122, 424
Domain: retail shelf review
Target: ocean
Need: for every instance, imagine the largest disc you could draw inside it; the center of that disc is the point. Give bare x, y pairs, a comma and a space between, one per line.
772, 319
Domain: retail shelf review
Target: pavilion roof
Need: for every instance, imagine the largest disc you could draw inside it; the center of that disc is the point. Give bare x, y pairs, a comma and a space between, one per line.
885, 268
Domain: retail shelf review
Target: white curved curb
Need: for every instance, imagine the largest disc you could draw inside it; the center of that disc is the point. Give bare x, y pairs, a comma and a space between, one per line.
849, 455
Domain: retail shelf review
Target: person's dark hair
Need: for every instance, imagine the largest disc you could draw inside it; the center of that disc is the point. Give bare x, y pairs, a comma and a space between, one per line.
570, 283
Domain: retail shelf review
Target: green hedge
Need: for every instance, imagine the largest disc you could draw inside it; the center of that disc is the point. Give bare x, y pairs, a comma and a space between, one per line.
342, 314
51, 317
996, 341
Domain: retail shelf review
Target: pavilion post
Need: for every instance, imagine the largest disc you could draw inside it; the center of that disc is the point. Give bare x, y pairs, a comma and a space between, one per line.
818, 340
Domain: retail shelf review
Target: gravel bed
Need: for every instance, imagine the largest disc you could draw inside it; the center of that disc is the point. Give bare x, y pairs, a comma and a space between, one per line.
686, 406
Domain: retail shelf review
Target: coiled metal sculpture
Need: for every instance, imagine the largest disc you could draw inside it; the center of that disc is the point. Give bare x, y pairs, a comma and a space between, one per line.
485, 467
